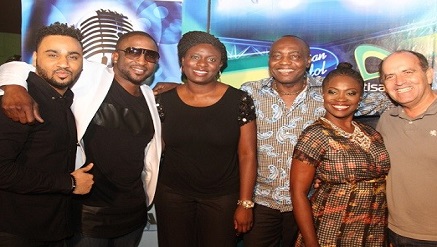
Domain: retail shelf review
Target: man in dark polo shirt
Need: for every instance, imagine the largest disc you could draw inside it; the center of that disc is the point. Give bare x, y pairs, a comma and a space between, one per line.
37, 174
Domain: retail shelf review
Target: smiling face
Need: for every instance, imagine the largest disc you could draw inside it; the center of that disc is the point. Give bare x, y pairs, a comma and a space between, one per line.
289, 58
58, 60
341, 95
201, 64
133, 70
405, 80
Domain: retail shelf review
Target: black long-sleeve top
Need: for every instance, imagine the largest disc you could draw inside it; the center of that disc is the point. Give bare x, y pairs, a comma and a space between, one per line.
35, 163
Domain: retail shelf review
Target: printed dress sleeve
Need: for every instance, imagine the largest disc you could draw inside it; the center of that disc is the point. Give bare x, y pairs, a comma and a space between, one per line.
246, 110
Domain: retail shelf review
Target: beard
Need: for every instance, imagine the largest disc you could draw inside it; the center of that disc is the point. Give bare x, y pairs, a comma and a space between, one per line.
61, 84
132, 78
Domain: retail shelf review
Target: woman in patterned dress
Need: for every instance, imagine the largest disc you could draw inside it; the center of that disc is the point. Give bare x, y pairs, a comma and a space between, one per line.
349, 207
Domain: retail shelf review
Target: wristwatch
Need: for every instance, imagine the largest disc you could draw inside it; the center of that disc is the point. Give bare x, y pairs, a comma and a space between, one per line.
246, 203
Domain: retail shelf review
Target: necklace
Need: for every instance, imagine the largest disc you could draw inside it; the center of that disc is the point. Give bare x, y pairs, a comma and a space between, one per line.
287, 93
357, 136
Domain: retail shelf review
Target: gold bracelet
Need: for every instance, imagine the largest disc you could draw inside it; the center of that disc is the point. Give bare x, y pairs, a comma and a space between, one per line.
246, 203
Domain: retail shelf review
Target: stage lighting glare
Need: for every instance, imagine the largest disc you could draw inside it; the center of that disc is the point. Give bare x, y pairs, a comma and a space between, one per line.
361, 3
227, 5
289, 4
233, 6
396, 4
374, 6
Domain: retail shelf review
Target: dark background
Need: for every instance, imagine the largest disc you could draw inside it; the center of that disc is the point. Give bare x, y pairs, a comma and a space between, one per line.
10, 17
10, 30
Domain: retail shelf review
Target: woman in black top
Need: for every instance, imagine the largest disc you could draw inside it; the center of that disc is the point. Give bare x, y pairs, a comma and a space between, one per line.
209, 164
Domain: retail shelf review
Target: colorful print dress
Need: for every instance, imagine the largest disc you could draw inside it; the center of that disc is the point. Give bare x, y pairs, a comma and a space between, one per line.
349, 208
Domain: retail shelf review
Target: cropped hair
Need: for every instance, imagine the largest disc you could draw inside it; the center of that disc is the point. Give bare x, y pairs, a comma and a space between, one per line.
134, 33
57, 28
307, 46
344, 68
423, 62
194, 38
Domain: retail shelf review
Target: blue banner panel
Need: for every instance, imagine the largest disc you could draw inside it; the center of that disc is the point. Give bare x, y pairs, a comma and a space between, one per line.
361, 32
103, 21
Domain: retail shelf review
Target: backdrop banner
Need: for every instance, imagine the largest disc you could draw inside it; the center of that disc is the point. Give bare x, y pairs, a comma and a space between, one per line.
103, 21
355, 31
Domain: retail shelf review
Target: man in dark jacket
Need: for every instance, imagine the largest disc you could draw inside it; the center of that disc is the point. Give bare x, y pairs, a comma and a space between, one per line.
37, 174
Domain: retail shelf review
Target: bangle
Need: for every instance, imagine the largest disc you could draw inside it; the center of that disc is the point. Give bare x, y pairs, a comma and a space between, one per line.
246, 203
73, 183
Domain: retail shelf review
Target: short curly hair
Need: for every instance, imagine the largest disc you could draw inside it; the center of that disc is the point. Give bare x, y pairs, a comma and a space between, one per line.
193, 38
58, 29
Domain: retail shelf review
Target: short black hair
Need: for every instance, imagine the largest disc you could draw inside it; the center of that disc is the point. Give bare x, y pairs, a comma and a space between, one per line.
193, 38
58, 28
134, 33
344, 68
307, 46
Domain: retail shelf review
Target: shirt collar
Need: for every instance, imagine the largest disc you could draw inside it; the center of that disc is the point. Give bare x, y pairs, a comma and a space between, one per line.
311, 82
398, 111
48, 90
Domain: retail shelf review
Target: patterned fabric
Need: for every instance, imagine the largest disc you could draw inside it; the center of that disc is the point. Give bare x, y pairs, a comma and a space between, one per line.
278, 129
350, 207
247, 110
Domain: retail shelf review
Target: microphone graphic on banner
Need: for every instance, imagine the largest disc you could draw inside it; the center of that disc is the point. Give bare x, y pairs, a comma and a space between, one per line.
101, 32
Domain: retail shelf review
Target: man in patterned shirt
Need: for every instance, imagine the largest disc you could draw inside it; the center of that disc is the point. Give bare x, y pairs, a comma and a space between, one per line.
286, 103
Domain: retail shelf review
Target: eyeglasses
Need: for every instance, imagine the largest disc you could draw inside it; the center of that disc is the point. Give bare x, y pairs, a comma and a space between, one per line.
135, 53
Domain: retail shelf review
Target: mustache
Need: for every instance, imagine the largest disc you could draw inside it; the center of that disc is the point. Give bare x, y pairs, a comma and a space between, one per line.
64, 70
